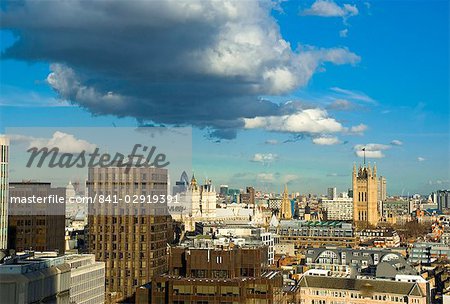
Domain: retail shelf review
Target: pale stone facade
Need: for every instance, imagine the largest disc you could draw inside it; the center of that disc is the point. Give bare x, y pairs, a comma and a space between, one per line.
322, 289
365, 196
200, 202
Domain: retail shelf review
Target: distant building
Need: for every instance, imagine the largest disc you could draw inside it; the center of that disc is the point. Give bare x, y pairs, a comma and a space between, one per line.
234, 195
201, 273
443, 199
428, 252
181, 185
248, 198
274, 203
365, 200
338, 209
445, 238
44, 228
314, 233
286, 249
223, 190
87, 279
382, 188
395, 210
200, 202
4, 186
378, 263
24, 279
321, 288
332, 193
248, 233
381, 237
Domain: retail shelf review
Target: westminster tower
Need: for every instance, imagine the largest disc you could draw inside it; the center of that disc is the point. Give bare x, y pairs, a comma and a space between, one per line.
365, 192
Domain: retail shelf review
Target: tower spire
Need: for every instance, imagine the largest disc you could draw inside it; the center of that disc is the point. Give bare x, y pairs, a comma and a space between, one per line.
364, 152
286, 210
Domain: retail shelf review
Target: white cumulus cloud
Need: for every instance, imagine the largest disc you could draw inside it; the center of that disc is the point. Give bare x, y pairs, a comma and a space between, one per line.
370, 154
326, 140
264, 158
359, 129
265, 177
396, 142
314, 122
304, 121
66, 143
372, 150
329, 8
343, 33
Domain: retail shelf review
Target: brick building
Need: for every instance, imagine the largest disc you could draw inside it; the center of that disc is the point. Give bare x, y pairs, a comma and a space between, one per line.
216, 274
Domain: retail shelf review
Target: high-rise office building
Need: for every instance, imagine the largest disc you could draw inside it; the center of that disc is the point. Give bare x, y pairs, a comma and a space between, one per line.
382, 188
248, 198
443, 199
181, 185
37, 226
332, 193
223, 190
129, 230
365, 196
4, 157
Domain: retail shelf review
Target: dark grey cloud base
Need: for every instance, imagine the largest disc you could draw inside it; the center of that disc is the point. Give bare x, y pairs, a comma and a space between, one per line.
200, 63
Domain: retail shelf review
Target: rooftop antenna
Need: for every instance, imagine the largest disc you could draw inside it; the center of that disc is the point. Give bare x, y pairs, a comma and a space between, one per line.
364, 150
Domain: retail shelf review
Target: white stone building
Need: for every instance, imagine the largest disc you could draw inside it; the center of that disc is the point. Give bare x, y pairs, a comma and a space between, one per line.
87, 279
199, 203
338, 209
26, 279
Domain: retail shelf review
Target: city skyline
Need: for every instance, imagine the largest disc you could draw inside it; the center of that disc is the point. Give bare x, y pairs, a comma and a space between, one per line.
346, 76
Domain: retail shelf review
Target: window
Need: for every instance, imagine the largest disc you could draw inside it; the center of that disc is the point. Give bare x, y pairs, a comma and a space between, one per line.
229, 290
206, 290
183, 289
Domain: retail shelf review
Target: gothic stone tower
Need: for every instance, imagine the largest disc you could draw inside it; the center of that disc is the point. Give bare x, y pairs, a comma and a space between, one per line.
365, 191
286, 211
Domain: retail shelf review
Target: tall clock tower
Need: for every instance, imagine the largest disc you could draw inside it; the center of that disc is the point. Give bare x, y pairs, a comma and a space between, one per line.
365, 196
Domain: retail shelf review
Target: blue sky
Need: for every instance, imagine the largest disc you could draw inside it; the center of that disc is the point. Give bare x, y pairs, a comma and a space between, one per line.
383, 67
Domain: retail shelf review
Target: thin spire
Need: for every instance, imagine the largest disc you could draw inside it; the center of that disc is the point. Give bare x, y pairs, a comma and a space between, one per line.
364, 150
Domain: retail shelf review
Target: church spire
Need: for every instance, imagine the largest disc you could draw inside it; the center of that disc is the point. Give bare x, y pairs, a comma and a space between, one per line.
193, 184
286, 210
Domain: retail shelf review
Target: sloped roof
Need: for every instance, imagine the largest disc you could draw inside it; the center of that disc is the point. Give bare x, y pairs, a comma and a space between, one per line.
361, 285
